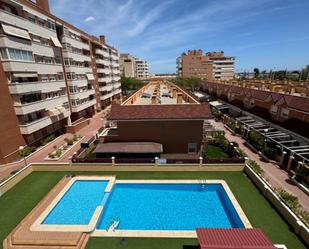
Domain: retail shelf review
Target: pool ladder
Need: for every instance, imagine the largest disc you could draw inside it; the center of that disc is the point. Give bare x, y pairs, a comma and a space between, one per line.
203, 183
113, 226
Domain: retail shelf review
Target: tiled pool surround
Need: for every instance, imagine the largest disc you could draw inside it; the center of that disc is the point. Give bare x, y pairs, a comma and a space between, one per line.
99, 211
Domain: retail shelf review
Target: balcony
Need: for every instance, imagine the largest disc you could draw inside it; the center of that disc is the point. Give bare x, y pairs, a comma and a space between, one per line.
78, 70
106, 96
75, 56
78, 82
83, 106
25, 24
106, 88
46, 104
82, 95
39, 86
25, 66
102, 52
103, 70
42, 123
75, 43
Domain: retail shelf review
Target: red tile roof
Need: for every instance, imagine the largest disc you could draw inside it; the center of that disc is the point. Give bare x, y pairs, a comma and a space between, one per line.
298, 103
233, 238
177, 111
259, 94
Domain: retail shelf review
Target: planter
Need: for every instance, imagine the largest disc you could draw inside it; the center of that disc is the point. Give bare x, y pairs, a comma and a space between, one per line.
62, 151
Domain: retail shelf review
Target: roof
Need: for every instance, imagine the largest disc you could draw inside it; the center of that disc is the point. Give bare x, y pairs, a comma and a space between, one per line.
259, 94
129, 147
233, 238
298, 103
150, 112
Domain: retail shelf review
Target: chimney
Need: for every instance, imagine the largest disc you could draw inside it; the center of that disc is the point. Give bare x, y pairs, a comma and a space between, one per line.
102, 39
43, 4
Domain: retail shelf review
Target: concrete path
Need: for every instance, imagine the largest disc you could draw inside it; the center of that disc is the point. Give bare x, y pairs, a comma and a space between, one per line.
277, 177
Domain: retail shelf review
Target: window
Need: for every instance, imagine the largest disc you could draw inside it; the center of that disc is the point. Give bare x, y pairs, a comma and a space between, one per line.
4, 54
60, 76
22, 55
31, 18
285, 113
274, 109
192, 148
39, 59
57, 60
44, 77
44, 42
51, 25
52, 77
36, 38
41, 22
48, 60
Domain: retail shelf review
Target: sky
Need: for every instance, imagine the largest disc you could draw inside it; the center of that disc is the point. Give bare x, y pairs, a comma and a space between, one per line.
268, 34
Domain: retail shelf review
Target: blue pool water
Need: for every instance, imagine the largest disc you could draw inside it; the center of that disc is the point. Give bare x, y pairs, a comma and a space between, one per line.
169, 207
78, 204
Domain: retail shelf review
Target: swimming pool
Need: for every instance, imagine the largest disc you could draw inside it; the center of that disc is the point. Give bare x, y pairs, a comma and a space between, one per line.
169, 207
105, 206
77, 205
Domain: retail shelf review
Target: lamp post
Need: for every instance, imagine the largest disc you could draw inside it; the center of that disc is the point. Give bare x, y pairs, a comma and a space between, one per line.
24, 157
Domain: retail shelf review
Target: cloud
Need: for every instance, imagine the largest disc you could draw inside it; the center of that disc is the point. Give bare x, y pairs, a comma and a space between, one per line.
89, 19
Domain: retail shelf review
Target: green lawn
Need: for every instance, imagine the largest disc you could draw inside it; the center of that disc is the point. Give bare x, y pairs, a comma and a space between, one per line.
215, 152
18, 202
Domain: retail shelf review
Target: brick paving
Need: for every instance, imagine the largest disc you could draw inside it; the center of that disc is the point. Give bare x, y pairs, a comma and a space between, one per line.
276, 176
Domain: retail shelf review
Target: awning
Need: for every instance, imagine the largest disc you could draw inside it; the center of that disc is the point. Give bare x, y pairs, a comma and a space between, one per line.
89, 76
53, 112
56, 42
61, 109
25, 75
17, 32
129, 147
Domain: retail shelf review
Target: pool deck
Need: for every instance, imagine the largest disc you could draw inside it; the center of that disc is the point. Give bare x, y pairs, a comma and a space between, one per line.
39, 226
31, 234
23, 238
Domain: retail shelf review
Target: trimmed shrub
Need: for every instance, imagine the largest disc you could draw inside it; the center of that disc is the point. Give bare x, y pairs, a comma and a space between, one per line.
27, 151
255, 167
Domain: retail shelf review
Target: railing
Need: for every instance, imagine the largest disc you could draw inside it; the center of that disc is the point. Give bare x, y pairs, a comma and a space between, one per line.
182, 161
134, 160
224, 161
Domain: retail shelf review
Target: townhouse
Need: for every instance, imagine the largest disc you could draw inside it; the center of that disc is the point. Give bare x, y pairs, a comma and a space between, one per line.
289, 111
52, 74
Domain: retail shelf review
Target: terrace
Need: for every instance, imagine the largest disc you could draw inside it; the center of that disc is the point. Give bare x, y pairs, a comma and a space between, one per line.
261, 214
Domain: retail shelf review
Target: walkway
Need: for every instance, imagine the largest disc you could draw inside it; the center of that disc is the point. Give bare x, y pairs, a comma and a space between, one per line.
38, 157
277, 177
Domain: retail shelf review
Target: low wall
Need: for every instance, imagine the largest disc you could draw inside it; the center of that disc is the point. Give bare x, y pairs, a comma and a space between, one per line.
75, 127
299, 227
20, 175
13, 180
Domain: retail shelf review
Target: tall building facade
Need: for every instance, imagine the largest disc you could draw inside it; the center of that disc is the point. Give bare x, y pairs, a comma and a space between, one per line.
51, 74
127, 65
210, 66
133, 67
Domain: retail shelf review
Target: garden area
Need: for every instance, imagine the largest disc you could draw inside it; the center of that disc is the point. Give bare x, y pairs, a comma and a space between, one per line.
258, 210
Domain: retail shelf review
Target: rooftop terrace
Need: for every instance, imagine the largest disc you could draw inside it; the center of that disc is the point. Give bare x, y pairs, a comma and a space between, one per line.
160, 93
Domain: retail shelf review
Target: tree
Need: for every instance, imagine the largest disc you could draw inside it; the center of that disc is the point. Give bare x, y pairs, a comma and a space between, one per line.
191, 83
130, 84
256, 72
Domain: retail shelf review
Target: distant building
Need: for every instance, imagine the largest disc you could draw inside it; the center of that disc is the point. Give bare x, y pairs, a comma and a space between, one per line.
133, 67
127, 65
211, 66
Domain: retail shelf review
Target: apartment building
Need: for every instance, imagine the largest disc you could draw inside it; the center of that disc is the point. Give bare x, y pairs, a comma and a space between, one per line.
210, 66
127, 65
141, 68
51, 74
133, 67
